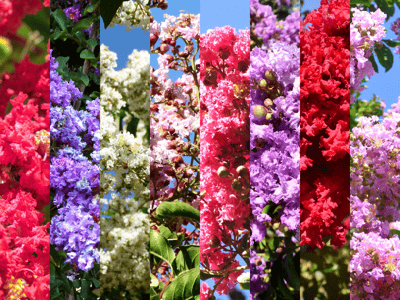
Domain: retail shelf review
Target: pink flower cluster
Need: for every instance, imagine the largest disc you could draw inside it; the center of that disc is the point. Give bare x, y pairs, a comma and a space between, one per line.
225, 158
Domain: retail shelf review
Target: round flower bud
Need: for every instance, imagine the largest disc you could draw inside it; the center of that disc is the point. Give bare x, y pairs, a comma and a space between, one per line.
259, 111
237, 185
268, 116
270, 75
268, 102
223, 172
242, 171
263, 84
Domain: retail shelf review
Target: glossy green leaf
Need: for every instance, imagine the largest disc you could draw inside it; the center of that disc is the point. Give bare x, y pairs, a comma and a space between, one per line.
363, 2
87, 54
84, 289
290, 273
187, 258
108, 10
61, 18
372, 60
92, 43
167, 210
160, 248
184, 287
385, 57
391, 43
82, 24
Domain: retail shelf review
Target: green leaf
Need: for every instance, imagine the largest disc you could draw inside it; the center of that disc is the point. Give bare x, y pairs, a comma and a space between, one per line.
79, 78
395, 231
385, 57
5, 49
290, 273
92, 43
85, 289
96, 283
277, 282
154, 281
108, 10
187, 258
167, 210
383, 5
372, 60
132, 126
82, 24
89, 9
40, 22
159, 247
391, 43
145, 210
61, 18
87, 54
184, 287
166, 232
363, 2
273, 243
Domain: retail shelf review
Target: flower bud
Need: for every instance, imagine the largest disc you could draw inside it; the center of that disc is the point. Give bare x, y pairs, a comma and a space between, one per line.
270, 75
236, 185
259, 111
242, 171
268, 116
215, 242
263, 84
243, 66
268, 102
223, 172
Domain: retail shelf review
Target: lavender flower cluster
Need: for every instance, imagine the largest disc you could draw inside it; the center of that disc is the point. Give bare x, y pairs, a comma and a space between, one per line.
396, 29
274, 129
375, 196
75, 172
366, 32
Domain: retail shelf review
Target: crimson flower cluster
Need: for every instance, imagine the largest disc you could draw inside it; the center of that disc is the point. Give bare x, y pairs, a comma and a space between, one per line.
24, 169
325, 124
225, 157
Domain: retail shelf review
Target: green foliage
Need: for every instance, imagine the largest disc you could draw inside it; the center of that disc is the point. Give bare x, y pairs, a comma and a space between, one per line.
366, 109
325, 273
173, 209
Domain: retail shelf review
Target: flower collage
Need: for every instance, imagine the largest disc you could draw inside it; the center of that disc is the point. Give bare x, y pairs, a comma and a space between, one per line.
199, 150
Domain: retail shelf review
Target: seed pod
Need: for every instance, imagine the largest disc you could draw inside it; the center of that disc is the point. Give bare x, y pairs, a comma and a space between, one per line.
223, 172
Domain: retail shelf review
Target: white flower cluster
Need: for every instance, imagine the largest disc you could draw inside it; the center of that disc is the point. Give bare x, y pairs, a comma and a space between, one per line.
133, 14
125, 173
129, 86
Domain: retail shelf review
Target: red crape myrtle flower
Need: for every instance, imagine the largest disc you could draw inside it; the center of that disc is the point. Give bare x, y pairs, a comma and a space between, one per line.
325, 124
225, 156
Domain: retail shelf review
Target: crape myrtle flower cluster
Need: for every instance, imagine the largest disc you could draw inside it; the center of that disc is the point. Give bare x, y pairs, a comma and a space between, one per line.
24, 169
375, 175
175, 129
136, 13
75, 174
266, 29
225, 158
12, 13
396, 29
325, 124
274, 129
366, 33
125, 172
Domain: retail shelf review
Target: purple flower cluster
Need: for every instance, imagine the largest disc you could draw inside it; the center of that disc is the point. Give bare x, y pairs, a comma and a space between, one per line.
375, 196
274, 129
366, 31
270, 30
74, 171
396, 28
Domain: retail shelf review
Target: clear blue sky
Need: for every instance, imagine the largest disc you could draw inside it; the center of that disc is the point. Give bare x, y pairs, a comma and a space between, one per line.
218, 13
